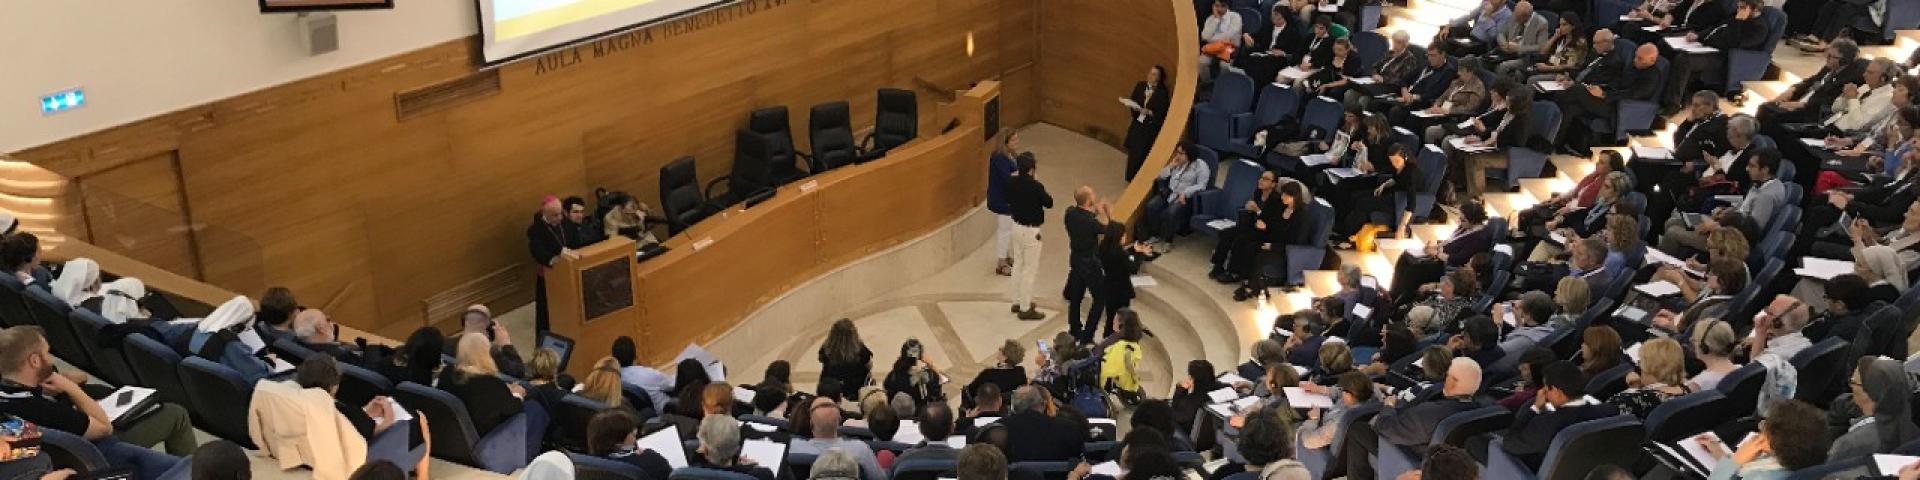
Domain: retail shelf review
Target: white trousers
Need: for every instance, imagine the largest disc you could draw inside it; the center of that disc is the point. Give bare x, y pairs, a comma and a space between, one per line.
1026, 263
1003, 229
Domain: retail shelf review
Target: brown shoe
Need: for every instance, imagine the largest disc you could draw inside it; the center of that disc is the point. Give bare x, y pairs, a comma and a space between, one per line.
1032, 314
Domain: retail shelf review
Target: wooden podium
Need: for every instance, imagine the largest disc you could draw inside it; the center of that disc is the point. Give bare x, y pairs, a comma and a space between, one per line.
597, 284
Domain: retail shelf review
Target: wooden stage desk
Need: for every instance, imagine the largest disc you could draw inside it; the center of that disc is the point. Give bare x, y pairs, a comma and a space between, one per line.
728, 266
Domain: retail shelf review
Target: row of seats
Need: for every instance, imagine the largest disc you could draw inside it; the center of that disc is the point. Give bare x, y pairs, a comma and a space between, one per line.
764, 157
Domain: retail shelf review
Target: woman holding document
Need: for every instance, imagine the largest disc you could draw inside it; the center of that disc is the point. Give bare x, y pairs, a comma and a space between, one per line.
1147, 103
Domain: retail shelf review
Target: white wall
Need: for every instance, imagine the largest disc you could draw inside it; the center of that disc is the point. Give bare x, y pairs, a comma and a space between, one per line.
139, 58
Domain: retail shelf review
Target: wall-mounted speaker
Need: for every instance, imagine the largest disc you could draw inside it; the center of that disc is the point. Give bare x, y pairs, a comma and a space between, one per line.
321, 31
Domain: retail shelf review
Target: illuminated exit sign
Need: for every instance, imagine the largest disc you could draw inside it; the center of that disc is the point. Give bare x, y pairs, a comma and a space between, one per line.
62, 101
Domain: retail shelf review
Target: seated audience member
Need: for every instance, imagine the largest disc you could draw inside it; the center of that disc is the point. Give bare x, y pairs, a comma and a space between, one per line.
657, 385
776, 383
1158, 415
913, 375
612, 434
1589, 262
1793, 437
1745, 31
602, 384
119, 303
1625, 251
277, 308
1266, 352
1318, 430
1432, 372
545, 384
1503, 126
473, 379
825, 423
936, 425
1035, 436
1586, 220
689, 390
1571, 295
1467, 95
1477, 31
1005, 375
1881, 390
1596, 90
1431, 85
1521, 36
720, 450
1600, 350
1807, 101
217, 338
1412, 424
1335, 359
1847, 309
1263, 53
1331, 79
981, 461
1231, 253
1533, 370
1171, 202
479, 319
1662, 377
1398, 68
987, 403
1777, 329
1478, 340
1861, 234
418, 360
1309, 333
846, 359
219, 460
315, 330
1217, 36
1446, 462
1471, 238
1726, 276
1268, 252
1713, 344
1396, 342
1564, 50
630, 218
79, 280
1142, 456
1561, 403
1264, 440
1530, 314
31, 390
20, 255
836, 464
1365, 197
883, 423
1191, 394
1457, 291
323, 372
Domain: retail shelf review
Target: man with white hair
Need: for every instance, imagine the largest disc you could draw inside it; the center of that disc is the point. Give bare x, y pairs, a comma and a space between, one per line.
1412, 424
1776, 329
547, 242
720, 448
1398, 68
479, 319
315, 330
826, 436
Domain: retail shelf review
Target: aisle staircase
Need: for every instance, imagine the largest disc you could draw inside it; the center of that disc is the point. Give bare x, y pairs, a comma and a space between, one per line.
1421, 19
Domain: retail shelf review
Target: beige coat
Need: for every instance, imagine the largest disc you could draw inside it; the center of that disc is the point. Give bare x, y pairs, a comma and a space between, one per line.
299, 426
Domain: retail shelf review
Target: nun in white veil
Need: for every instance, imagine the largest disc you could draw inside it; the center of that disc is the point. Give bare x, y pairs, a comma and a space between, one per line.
79, 280
120, 300
549, 466
227, 337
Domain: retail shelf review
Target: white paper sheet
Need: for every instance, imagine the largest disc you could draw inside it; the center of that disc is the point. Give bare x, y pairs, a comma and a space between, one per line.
399, 414
1111, 469
1231, 378
1661, 153
1510, 319
1361, 80
1302, 371
1221, 224
1315, 159
764, 453
280, 366
1423, 113
1142, 281
1329, 8
1557, 238
1551, 85
744, 394
1890, 464
1295, 73
1659, 288
115, 408
909, 433
1460, 143
1300, 398
716, 371
1344, 172
1223, 395
666, 442
984, 421
1822, 268
1369, 282
1130, 103
1633, 352
1362, 311
1655, 255
1689, 46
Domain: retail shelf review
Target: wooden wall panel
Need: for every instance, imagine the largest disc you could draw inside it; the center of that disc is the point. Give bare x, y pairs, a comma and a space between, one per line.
315, 185
137, 208
1095, 50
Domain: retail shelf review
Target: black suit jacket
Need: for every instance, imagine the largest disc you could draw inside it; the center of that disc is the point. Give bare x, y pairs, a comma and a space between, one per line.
1706, 16
1035, 437
1434, 84
1292, 39
1400, 69
1157, 105
1413, 425
1514, 135
1698, 137
1602, 69
1321, 53
1531, 432
1635, 84
1749, 34
1818, 94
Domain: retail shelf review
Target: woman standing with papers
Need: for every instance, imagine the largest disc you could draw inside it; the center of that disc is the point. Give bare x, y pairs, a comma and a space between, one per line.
1147, 103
